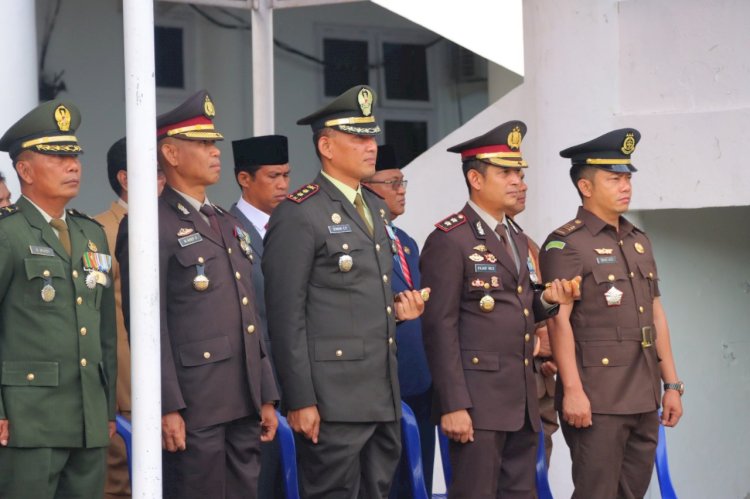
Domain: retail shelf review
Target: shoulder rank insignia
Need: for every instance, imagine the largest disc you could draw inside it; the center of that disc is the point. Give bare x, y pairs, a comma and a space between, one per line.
515, 225
451, 222
8, 210
76, 213
372, 190
303, 193
569, 227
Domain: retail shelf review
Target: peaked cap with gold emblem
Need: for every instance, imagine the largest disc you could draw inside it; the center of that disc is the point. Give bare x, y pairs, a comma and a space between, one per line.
350, 112
49, 128
191, 120
610, 151
501, 146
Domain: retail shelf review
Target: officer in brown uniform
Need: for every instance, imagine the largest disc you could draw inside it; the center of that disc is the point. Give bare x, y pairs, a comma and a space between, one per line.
218, 391
479, 325
613, 345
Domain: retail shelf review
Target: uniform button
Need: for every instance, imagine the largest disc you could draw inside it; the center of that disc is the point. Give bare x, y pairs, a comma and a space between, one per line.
30, 377
229, 250
201, 260
344, 246
611, 277
519, 289
84, 363
388, 309
650, 275
605, 361
632, 274
527, 337
245, 301
578, 222
620, 242
46, 273
84, 331
79, 300
206, 355
526, 362
339, 353
390, 341
75, 274
640, 309
377, 247
237, 275
526, 312
251, 329
385, 278
486, 285
475, 360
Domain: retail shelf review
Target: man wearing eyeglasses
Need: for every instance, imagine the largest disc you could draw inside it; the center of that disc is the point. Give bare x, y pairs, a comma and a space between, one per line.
413, 372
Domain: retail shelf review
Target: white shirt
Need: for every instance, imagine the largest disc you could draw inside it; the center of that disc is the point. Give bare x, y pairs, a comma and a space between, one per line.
196, 204
258, 218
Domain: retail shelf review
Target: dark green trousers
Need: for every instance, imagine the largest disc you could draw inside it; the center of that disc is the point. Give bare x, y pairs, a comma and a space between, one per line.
52, 473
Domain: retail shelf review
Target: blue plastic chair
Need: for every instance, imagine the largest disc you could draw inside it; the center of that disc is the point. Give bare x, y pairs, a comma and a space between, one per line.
662, 466
288, 457
412, 451
125, 430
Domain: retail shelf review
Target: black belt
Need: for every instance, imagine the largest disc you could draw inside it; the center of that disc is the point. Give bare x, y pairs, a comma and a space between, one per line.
646, 334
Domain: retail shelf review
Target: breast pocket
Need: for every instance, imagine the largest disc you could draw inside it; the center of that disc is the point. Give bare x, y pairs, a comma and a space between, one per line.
481, 283
199, 353
45, 277
198, 262
649, 277
344, 257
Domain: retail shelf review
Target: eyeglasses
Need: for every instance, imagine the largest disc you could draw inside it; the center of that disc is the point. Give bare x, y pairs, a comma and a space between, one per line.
395, 184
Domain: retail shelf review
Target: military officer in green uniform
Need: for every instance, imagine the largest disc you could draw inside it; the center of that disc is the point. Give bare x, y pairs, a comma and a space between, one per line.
57, 326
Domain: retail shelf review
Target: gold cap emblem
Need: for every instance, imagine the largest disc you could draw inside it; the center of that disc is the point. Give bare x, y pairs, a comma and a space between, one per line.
208, 107
62, 116
364, 98
514, 138
628, 145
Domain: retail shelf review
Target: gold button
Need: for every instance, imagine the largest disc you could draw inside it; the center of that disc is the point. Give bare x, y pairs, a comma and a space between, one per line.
640, 309
46, 273
30, 376
578, 222
201, 260
526, 312
475, 360
229, 250
527, 337
377, 247
486, 285
345, 246
519, 289
245, 301
385, 278
75, 274
84, 331
611, 277
390, 341
388, 309
650, 275
605, 361
251, 329
620, 242
339, 353
206, 355
237, 275
526, 362
632, 274
79, 300
84, 363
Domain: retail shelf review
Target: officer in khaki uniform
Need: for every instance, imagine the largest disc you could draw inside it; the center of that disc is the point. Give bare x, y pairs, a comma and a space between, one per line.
613, 346
328, 261
57, 322
218, 392
479, 325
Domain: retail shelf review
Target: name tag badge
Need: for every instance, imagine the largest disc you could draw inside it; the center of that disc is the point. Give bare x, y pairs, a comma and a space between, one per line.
191, 239
339, 229
485, 267
41, 250
606, 259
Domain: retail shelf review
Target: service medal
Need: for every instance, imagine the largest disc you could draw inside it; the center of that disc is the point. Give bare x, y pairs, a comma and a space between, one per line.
476, 257
345, 263
477, 283
613, 297
495, 282
200, 282
487, 303
48, 293
90, 279
490, 258
92, 246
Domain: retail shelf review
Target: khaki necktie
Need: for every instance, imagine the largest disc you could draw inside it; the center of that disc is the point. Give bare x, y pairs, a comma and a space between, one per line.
62, 232
360, 206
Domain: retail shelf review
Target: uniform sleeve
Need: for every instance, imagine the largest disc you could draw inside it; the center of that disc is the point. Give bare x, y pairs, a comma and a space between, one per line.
441, 266
288, 256
108, 339
558, 259
6, 274
268, 390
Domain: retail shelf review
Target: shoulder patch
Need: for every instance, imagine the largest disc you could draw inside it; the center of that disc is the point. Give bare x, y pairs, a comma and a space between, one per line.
569, 227
76, 213
303, 193
8, 210
451, 222
372, 190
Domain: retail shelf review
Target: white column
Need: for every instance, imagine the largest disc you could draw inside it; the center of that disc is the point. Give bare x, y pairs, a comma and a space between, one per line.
140, 110
20, 81
262, 29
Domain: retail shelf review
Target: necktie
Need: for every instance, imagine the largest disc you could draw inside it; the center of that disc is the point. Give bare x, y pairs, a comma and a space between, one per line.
62, 233
211, 215
502, 230
360, 206
402, 261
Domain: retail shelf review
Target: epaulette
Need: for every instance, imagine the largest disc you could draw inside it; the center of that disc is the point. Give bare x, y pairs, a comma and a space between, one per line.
515, 225
569, 228
303, 193
8, 210
372, 190
219, 209
451, 222
76, 213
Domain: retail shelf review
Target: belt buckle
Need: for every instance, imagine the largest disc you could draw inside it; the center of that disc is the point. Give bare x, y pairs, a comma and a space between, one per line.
647, 337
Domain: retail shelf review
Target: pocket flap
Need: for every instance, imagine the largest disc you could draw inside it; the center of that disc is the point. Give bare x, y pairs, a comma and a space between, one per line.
648, 271
30, 373
42, 267
192, 255
341, 244
610, 353
339, 349
479, 360
204, 352
604, 273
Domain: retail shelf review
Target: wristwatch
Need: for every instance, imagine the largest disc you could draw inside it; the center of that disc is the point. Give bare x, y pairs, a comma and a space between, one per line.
679, 386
